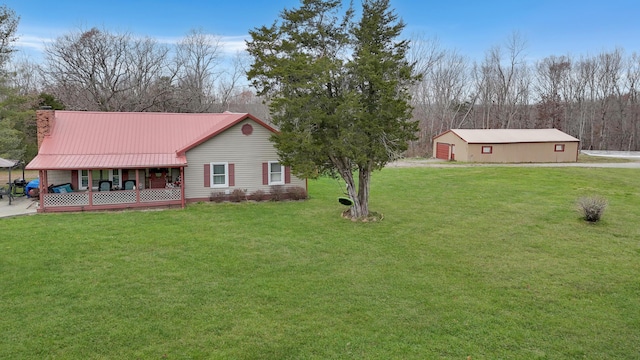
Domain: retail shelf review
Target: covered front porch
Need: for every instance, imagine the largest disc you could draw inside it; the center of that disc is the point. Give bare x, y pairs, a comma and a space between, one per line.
110, 189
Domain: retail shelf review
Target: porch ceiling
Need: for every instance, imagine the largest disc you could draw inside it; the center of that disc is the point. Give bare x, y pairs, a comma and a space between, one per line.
106, 161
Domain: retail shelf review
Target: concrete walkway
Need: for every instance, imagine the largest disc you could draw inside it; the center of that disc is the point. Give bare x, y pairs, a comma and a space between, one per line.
19, 206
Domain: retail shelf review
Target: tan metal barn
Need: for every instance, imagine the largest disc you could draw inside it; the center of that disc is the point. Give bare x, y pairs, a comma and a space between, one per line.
506, 145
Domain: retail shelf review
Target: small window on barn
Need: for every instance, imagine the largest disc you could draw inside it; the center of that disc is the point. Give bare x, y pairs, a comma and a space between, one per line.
487, 149
559, 148
219, 175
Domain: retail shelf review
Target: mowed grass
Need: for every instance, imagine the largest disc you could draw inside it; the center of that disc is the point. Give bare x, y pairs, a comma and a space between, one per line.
479, 262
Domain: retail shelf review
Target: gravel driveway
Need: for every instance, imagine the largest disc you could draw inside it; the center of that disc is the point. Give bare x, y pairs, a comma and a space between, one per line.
634, 156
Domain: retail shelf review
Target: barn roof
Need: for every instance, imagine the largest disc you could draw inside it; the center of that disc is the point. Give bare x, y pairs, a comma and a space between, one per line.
507, 136
93, 140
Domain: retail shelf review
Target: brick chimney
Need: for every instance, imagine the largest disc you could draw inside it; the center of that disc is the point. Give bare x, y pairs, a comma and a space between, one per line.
45, 119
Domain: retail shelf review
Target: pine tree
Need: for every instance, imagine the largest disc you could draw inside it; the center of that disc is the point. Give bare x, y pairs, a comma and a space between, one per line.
338, 90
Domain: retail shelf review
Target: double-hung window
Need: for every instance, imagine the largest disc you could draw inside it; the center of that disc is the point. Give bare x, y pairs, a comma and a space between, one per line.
276, 173
219, 175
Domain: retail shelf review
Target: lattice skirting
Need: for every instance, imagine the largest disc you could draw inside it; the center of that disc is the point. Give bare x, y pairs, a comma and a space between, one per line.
153, 195
111, 197
114, 197
68, 199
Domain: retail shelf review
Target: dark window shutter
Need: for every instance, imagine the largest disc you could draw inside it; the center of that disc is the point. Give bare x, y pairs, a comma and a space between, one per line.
207, 175
265, 173
232, 175
287, 175
74, 179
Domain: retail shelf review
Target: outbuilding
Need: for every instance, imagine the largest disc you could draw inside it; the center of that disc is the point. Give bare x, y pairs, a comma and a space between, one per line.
506, 146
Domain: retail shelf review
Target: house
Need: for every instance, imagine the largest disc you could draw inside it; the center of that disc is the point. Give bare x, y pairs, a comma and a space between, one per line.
110, 160
506, 145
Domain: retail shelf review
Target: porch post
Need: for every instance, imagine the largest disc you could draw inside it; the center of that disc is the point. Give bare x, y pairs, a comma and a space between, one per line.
137, 186
41, 187
90, 187
182, 182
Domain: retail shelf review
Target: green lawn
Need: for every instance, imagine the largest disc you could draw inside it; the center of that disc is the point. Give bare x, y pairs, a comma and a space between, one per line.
480, 262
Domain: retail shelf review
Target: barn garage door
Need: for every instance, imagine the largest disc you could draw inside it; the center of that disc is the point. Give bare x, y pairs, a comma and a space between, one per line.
442, 151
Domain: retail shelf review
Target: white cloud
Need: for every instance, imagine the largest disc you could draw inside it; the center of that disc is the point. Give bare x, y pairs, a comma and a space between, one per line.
229, 44
233, 44
33, 42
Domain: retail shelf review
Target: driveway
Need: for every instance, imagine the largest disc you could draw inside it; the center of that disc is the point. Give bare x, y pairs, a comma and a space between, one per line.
634, 156
19, 206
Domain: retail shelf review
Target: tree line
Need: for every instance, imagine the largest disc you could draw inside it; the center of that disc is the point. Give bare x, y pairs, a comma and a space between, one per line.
592, 97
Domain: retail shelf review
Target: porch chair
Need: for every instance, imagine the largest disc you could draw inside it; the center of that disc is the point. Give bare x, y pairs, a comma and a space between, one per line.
104, 185
129, 185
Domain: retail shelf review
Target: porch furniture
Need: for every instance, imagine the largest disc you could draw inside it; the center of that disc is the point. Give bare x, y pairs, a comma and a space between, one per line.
6, 191
61, 188
105, 185
129, 185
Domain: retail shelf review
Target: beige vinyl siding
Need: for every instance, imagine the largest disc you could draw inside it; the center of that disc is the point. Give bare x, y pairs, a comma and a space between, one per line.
246, 152
460, 146
58, 177
543, 152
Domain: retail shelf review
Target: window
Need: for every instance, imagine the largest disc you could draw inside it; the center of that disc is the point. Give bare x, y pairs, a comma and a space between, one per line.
276, 173
113, 175
84, 179
219, 175
559, 148
487, 149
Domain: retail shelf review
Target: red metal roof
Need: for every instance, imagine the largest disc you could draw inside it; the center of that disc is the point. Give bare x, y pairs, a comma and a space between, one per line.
93, 140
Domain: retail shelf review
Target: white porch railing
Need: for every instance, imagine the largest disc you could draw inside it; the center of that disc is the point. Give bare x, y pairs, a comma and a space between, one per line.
121, 197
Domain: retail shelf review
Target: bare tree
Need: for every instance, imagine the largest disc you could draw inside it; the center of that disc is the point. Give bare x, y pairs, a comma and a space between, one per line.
632, 82
196, 65
147, 63
424, 53
25, 76
552, 78
99, 70
506, 81
8, 27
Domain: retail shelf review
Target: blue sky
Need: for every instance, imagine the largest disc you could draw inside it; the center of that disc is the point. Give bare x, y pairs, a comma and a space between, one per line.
560, 27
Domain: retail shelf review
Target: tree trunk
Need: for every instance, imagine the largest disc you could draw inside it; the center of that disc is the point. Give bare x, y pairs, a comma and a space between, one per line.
359, 196
364, 177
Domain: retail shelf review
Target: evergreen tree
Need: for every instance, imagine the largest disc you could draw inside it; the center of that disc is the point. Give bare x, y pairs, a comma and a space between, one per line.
338, 90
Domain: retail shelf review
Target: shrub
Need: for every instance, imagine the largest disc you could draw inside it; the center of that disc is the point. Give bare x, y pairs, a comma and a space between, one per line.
276, 192
297, 193
238, 195
217, 196
592, 207
258, 195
